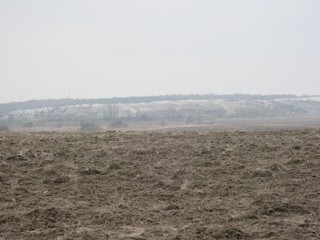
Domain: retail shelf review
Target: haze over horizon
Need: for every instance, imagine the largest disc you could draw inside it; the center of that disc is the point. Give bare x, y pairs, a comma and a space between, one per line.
105, 49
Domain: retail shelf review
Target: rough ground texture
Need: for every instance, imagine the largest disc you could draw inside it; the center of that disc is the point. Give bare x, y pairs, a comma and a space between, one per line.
160, 185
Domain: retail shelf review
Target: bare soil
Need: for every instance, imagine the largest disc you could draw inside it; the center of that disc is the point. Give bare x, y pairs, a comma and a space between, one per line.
160, 185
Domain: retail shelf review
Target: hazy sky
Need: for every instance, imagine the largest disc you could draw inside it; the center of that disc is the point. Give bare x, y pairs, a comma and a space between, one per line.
101, 48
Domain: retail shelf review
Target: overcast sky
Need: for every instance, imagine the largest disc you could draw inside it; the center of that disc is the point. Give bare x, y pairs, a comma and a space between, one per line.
101, 48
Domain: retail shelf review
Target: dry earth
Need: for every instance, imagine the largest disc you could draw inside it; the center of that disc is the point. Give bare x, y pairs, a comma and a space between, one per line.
160, 185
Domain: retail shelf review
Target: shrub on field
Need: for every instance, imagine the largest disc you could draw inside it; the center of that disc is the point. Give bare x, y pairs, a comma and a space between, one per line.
190, 119
28, 124
4, 128
118, 124
89, 126
163, 123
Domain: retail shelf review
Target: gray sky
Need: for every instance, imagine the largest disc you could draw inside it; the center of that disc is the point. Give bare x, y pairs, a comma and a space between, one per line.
101, 48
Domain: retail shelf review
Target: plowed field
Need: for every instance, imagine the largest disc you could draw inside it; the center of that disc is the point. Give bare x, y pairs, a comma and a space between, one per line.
160, 185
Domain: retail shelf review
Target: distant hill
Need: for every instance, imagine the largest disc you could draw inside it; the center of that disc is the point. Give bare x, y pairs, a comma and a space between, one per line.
183, 108
6, 108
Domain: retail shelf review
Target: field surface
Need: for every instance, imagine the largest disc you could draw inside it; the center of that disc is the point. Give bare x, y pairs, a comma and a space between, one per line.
160, 185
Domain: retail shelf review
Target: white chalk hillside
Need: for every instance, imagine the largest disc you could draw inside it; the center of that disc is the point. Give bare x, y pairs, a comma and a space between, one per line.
216, 108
